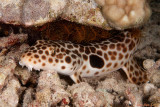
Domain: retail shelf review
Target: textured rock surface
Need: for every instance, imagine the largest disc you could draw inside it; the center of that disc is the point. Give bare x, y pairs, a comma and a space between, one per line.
38, 12
10, 11
30, 12
85, 12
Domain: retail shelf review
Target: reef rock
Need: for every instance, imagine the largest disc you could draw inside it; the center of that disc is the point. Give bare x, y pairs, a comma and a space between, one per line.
122, 14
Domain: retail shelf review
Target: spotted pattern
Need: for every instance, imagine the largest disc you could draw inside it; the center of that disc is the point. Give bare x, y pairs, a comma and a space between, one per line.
85, 60
68, 59
134, 72
96, 61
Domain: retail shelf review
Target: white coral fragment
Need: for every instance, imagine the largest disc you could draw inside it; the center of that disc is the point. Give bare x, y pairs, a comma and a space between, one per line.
148, 63
84, 95
123, 14
2, 79
149, 88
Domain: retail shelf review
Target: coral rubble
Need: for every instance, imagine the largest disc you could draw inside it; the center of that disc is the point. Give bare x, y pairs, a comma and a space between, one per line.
84, 95
12, 39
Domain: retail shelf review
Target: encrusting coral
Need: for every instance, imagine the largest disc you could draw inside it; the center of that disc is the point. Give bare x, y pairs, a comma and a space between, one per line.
123, 14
